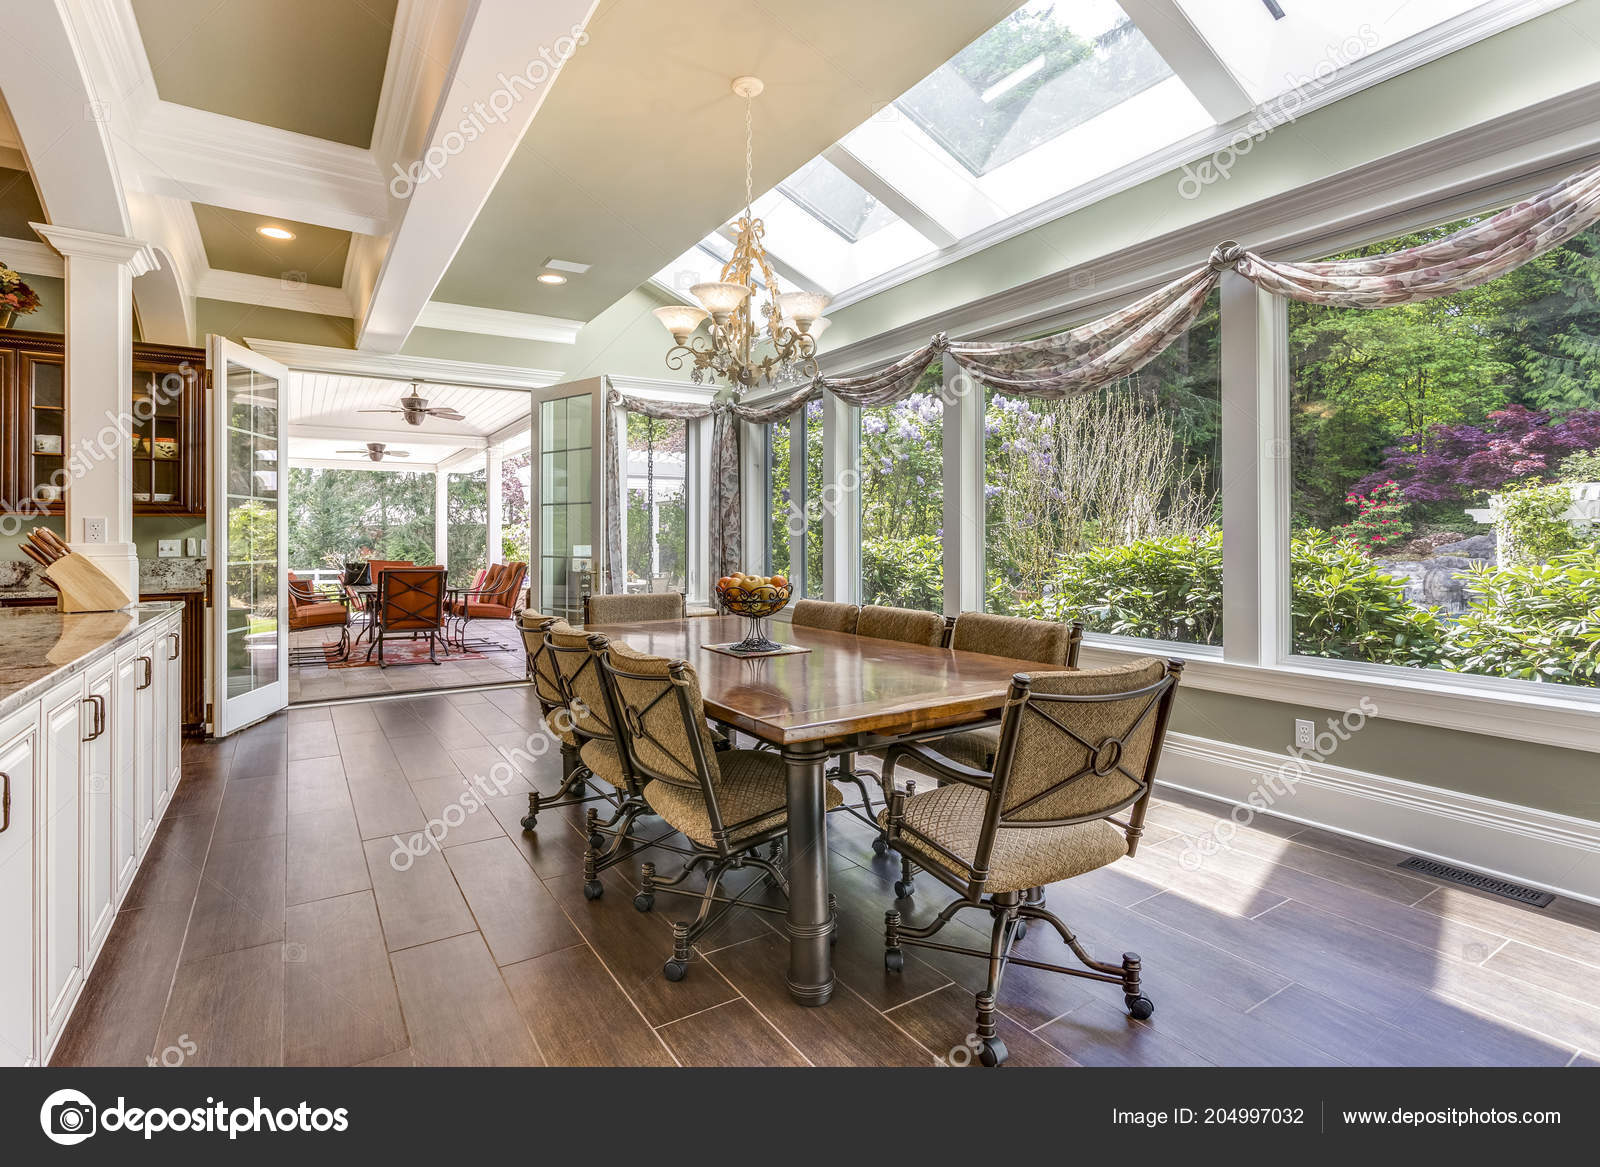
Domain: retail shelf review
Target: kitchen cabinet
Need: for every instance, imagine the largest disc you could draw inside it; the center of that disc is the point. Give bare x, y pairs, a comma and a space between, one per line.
87, 767
165, 400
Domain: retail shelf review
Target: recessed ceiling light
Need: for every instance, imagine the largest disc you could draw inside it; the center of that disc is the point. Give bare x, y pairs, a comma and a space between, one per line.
552, 277
275, 232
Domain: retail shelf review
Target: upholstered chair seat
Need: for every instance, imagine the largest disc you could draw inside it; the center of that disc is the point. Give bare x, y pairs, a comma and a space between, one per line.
753, 791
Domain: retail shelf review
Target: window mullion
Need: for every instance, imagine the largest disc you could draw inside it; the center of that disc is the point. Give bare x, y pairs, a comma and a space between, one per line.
963, 492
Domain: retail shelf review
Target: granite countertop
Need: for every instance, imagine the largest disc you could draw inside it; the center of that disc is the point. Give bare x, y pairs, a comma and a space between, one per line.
20, 579
40, 646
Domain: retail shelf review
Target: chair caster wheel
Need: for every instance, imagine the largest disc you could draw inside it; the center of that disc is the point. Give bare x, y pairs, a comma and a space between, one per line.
530, 822
902, 889
593, 890
993, 1052
597, 841
674, 970
1140, 1007
1020, 931
893, 959
880, 846
644, 901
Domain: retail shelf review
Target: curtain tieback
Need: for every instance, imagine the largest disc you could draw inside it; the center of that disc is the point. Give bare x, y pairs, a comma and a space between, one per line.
1225, 255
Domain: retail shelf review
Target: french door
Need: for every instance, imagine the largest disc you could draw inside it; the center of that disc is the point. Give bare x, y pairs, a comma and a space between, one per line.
248, 522
568, 489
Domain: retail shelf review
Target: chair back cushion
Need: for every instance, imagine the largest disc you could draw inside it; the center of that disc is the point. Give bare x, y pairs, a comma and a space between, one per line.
656, 729
545, 681
822, 614
1084, 742
903, 624
582, 690
376, 568
477, 578
1018, 637
633, 609
411, 598
511, 584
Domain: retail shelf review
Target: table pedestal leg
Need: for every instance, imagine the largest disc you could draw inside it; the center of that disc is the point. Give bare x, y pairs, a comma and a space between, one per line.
810, 925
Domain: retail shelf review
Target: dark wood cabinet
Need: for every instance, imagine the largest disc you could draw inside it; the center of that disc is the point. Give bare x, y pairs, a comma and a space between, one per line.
166, 404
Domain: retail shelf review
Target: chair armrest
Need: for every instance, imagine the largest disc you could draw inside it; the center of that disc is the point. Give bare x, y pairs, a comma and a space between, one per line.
935, 762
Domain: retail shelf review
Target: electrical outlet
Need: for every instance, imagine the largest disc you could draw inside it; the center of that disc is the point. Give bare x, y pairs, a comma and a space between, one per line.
168, 548
1305, 734
94, 530
191, 548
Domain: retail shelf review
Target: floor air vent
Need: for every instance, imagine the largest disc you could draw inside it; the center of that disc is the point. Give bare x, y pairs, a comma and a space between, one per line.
1488, 883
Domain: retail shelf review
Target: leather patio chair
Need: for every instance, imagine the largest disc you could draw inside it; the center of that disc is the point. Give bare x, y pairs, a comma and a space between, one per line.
410, 604
310, 608
1077, 749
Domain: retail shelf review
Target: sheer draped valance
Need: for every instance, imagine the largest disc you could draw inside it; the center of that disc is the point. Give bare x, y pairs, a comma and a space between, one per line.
1117, 345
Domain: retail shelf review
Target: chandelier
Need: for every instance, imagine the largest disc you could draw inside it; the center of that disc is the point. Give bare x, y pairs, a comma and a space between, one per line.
749, 340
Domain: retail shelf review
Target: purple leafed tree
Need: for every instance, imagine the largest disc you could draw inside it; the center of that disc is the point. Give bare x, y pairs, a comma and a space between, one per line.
1451, 463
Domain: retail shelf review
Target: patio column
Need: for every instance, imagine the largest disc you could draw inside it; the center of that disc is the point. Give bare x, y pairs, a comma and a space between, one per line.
441, 516
492, 471
100, 270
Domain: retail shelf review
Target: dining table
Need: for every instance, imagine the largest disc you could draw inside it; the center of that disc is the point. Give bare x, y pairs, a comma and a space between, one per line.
844, 694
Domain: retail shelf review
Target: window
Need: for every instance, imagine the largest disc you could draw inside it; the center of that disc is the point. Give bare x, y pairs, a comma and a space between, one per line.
794, 523
467, 508
1106, 507
1446, 456
658, 532
566, 465
901, 462
343, 516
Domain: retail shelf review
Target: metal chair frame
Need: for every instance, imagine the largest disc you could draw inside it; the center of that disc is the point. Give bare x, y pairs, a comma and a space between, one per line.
1011, 910
574, 789
392, 584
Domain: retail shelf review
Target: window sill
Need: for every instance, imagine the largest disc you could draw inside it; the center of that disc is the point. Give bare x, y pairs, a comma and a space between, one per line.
1519, 710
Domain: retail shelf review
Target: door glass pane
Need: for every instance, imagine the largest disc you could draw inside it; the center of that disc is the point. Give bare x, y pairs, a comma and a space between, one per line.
657, 510
567, 551
901, 461
252, 551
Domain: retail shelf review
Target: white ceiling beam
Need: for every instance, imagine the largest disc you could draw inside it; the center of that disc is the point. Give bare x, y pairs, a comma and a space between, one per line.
314, 358
896, 200
266, 292
458, 461
1174, 36
498, 322
360, 464
512, 429
421, 435
508, 39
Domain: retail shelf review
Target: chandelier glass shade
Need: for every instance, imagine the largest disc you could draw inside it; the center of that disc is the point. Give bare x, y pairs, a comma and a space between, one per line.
754, 332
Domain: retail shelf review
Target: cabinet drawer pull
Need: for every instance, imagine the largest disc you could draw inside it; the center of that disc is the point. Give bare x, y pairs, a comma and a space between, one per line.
173, 655
149, 671
5, 805
99, 723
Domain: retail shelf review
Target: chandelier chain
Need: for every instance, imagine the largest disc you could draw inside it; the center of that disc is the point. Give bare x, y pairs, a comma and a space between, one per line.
749, 154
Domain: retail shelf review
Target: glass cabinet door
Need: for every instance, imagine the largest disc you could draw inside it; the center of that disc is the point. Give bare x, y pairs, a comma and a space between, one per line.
43, 381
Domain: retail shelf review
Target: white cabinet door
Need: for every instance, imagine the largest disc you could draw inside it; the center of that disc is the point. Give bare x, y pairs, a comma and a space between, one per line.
99, 772
61, 855
19, 762
172, 708
147, 744
126, 819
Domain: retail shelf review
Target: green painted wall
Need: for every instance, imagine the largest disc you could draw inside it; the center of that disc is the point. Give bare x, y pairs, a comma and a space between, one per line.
51, 315
148, 529
237, 321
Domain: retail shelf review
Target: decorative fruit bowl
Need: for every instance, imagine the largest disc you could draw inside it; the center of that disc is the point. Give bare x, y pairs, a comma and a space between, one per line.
757, 598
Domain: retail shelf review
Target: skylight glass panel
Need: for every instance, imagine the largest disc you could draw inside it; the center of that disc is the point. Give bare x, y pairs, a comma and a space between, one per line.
1044, 70
833, 197
1270, 54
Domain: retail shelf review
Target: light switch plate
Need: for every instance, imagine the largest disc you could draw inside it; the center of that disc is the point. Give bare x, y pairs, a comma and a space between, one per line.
191, 547
168, 548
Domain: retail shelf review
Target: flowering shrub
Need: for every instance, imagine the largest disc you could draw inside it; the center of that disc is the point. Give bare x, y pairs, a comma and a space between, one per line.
1453, 463
1380, 517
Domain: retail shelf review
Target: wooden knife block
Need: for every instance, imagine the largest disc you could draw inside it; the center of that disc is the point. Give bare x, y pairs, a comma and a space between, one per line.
84, 587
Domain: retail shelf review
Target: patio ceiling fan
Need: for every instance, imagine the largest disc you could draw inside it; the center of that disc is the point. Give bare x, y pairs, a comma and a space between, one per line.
377, 452
416, 411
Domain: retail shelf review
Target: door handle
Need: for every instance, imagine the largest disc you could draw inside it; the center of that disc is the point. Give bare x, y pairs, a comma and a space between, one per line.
99, 722
176, 646
5, 805
149, 671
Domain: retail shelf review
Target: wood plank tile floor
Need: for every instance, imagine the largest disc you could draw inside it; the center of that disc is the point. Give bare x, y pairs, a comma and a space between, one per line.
278, 921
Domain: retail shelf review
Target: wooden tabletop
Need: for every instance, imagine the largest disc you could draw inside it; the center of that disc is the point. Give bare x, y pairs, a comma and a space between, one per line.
844, 688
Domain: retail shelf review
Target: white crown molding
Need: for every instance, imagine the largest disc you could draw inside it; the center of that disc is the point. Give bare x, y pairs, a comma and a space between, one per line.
1463, 171
498, 322
134, 254
398, 367
30, 257
1440, 41
1555, 852
391, 435
265, 292
420, 52
661, 387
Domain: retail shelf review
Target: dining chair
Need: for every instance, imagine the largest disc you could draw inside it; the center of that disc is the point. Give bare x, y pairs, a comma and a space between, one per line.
558, 719
410, 603
632, 608
903, 624
825, 615
726, 803
310, 608
1077, 748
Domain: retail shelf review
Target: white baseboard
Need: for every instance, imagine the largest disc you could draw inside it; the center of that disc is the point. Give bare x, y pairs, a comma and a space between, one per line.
1554, 852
